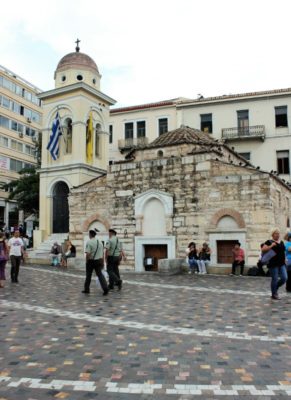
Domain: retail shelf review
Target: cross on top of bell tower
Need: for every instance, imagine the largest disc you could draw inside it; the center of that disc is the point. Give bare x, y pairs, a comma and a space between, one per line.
77, 47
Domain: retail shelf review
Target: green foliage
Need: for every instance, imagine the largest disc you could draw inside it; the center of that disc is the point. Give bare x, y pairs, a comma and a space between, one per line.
25, 190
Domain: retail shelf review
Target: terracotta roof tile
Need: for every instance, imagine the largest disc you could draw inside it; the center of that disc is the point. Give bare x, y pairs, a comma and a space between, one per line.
182, 135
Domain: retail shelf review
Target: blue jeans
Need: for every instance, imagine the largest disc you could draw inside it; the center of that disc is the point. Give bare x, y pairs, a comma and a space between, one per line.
275, 273
193, 264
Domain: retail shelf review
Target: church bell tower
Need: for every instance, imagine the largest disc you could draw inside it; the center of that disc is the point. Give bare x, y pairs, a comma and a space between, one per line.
74, 137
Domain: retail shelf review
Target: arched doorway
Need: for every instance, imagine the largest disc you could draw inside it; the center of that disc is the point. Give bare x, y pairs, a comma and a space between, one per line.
60, 208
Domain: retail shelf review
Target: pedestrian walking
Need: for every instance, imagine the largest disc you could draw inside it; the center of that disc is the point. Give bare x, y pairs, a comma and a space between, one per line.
113, 255
288, 260
15, 246
238, 259
3, 258
276, 264
94, 262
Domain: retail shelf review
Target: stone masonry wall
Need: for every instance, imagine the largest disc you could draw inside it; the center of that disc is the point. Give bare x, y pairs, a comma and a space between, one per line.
201, 187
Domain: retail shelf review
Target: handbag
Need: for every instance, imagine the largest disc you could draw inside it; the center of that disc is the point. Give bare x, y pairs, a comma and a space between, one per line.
3, 254
266, 257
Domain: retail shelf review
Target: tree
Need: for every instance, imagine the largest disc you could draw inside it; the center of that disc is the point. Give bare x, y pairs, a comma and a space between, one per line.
25, 190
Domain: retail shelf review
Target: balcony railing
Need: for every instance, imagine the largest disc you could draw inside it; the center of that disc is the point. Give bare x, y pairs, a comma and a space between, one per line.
250, 132
124, 144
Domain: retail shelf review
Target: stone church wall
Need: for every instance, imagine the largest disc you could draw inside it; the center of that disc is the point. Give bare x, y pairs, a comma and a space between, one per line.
203, 190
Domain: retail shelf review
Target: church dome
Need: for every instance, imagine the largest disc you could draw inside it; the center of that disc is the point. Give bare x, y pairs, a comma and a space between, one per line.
77, 67
77, 60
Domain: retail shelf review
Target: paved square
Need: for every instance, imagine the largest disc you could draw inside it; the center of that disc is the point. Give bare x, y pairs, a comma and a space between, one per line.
179, 337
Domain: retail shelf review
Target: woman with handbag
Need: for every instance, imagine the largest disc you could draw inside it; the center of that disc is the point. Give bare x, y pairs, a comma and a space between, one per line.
3, 259
276, 264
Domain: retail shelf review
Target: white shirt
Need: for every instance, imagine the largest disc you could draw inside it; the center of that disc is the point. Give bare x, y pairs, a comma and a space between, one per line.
15, 245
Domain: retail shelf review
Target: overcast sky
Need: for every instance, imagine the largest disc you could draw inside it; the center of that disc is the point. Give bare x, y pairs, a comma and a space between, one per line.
152, 50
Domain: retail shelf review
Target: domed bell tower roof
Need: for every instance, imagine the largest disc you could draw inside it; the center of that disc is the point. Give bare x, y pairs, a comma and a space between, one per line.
84, 66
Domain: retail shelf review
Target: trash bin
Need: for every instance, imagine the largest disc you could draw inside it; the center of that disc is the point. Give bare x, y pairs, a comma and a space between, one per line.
149, 262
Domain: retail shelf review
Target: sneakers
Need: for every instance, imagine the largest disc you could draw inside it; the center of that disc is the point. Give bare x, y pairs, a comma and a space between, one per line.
86, 291
275, 297
105, 293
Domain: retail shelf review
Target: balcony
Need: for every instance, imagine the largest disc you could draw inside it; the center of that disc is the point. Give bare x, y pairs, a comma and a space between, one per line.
246, 133
126, 144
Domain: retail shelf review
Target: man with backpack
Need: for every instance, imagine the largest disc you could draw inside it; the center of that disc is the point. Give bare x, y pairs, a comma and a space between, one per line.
113, 256
94, 262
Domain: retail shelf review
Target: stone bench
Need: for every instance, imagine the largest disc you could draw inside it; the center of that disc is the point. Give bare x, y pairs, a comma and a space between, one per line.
172, 266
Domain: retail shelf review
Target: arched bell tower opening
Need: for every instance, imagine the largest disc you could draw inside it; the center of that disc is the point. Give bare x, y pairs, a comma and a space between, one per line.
60, 208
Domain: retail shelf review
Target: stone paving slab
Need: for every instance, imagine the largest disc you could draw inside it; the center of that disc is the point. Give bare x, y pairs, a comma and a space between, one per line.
177, 337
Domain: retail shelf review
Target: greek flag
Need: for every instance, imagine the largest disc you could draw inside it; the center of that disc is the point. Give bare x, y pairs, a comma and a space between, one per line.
53, 144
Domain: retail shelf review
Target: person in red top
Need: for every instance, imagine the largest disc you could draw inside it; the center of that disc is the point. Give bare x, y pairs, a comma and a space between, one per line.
238, 259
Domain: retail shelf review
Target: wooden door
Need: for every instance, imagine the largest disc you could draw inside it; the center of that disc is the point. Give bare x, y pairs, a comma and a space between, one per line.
157, 252
224, 251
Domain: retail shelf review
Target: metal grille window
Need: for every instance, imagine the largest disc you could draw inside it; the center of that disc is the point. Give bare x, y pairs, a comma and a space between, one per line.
140, 129
163, 126
283, 162
128, 130
281, 118
206, 123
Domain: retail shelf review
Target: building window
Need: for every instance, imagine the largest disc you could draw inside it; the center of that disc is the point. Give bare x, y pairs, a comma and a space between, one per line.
283, 162
247, 156
15, 165
243, 121
281, 119
128, 130
29, 150
206, 123
5, 102
110, 133
140, 129
15, 145
163, 125
3, 141
4, 122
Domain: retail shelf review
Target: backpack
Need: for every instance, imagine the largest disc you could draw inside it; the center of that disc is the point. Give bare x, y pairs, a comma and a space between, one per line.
253, 271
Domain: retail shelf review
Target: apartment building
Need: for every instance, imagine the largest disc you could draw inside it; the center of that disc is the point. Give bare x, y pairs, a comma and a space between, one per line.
256, 125
20, 125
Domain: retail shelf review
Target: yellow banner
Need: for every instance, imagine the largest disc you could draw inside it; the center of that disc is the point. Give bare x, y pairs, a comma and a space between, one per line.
89, 140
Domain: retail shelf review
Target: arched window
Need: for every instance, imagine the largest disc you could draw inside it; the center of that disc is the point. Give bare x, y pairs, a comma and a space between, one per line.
227, 222
68, 135
97, 140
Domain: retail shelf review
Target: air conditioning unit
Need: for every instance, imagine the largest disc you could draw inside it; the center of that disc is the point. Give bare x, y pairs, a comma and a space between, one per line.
28, 120
20, 134
33, 139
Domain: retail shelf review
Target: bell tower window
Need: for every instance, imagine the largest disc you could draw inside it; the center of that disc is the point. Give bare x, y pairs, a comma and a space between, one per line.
68, 135
97, 140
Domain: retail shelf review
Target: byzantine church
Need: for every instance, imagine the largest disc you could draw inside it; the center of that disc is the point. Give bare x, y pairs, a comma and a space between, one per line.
182, 187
